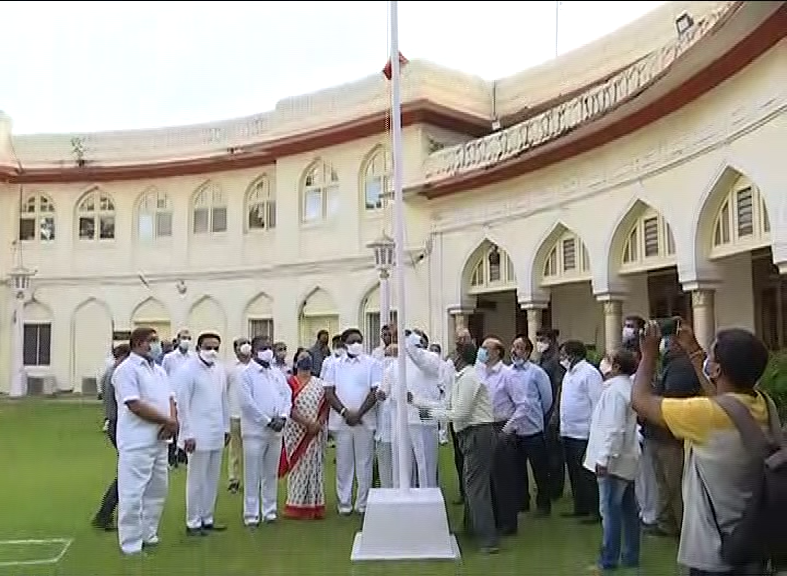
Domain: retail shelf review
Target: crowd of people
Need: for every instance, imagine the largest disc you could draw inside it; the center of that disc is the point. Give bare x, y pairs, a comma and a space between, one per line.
649, 438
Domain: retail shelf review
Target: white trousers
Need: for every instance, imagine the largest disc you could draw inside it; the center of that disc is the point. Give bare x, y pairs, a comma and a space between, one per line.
646, 487
142, 490
385, 464
424, 447
354, 459
202, 484
260, 476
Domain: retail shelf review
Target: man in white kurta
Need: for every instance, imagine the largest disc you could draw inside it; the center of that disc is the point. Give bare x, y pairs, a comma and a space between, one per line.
350, 387
265, 402
147, 418
203, 406
242, 348
383, 438
423, 378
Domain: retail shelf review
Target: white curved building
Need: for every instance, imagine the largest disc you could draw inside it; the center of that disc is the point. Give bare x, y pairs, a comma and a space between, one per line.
644, 173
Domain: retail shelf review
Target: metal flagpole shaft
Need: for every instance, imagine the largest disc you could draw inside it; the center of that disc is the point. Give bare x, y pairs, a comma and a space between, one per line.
403, 452
557, 28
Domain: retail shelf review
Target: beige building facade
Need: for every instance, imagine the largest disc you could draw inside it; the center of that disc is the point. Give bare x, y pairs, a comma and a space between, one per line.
642, 174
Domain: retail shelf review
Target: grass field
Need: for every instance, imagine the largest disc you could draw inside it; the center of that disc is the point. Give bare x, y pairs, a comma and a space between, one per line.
57, 465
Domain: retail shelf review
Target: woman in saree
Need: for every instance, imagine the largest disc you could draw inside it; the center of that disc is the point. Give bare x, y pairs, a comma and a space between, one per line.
305, 438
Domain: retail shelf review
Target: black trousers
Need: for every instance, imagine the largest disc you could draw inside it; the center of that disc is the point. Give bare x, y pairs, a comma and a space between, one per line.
506, 480
556, 464
533, 449
584, 488
459, 461
110, 499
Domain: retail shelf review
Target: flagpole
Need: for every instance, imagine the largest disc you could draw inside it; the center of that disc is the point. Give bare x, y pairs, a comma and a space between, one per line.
396, 156
557, 28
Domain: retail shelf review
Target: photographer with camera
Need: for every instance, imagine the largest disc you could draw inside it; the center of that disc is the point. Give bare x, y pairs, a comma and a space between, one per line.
677, 380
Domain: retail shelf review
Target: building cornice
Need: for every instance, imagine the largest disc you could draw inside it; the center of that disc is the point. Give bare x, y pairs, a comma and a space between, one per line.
577, 126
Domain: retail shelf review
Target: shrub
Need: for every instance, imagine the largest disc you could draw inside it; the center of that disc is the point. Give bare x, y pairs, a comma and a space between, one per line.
774, 381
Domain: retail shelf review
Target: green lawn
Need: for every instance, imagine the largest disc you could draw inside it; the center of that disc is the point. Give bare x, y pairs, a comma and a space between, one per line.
57, 465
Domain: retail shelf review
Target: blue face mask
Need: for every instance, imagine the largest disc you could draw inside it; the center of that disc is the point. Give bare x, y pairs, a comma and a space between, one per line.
482, 355
155, 350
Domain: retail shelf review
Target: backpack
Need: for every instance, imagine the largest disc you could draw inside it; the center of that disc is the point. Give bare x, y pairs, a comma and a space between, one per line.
760, 537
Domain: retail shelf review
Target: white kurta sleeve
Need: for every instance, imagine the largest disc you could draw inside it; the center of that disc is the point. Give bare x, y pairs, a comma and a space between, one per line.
286, 396
327, 373
225, 400
247, 399
375, 374
428, 362
184, 384
126, 385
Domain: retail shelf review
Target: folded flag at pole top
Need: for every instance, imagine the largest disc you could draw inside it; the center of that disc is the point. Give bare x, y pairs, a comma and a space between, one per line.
388, 70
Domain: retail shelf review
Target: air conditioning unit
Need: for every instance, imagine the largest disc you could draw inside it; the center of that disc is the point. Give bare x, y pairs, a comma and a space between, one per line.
89, 386
41, 386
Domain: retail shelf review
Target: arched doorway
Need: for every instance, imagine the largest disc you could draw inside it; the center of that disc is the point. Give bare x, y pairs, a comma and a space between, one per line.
91, 340
207, 315
151, 312
318, 312
371, 323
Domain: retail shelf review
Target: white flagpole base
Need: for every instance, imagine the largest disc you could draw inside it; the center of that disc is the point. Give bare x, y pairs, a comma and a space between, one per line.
405, 525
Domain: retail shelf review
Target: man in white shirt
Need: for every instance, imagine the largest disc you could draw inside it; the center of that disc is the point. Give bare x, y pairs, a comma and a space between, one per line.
462, 337
338, 350
172, 362
383, 436
423, 376
612, 455
579, 394
446, 375
147, 418
386, 338
280, 358
242, 348
265, 402
351, 384
203, 407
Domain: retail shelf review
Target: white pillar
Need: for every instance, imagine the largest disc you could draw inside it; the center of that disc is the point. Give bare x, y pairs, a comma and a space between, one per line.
18, 376
613, 324
704, 311
534, 317
385, 298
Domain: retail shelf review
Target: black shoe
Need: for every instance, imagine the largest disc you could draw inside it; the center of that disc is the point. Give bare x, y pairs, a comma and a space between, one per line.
105, 525
214, 527
195, 532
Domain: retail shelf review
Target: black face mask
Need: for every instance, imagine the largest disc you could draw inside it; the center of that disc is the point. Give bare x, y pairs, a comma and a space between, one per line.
304, 364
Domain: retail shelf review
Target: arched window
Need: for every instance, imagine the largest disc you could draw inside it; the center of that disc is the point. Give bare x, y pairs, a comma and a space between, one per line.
210, 210
567, 261
742, 221
37, 219
649, 244
96, 216
320, 193
493, 272
376, 179
260, 206
154, 219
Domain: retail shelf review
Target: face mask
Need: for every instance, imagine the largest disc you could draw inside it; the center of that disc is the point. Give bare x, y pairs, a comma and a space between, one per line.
155, 350
518, 362
208, 356
265, 355
482, 355
566, 363
542, 347
305, 364
184, 344
605, 367
355, 349
245, 349
629, 333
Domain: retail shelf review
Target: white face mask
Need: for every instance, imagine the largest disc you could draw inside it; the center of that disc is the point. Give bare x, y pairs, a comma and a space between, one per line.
542, 347
566, 364
245, 349
265, 355
628, 333
208, 356
355, 349
184, 344
605, 367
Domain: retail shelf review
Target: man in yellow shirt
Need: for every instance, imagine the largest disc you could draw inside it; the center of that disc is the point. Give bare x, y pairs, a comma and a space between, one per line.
718, 470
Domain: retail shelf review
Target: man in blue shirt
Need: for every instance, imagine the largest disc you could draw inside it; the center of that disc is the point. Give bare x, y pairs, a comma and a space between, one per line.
530, 390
